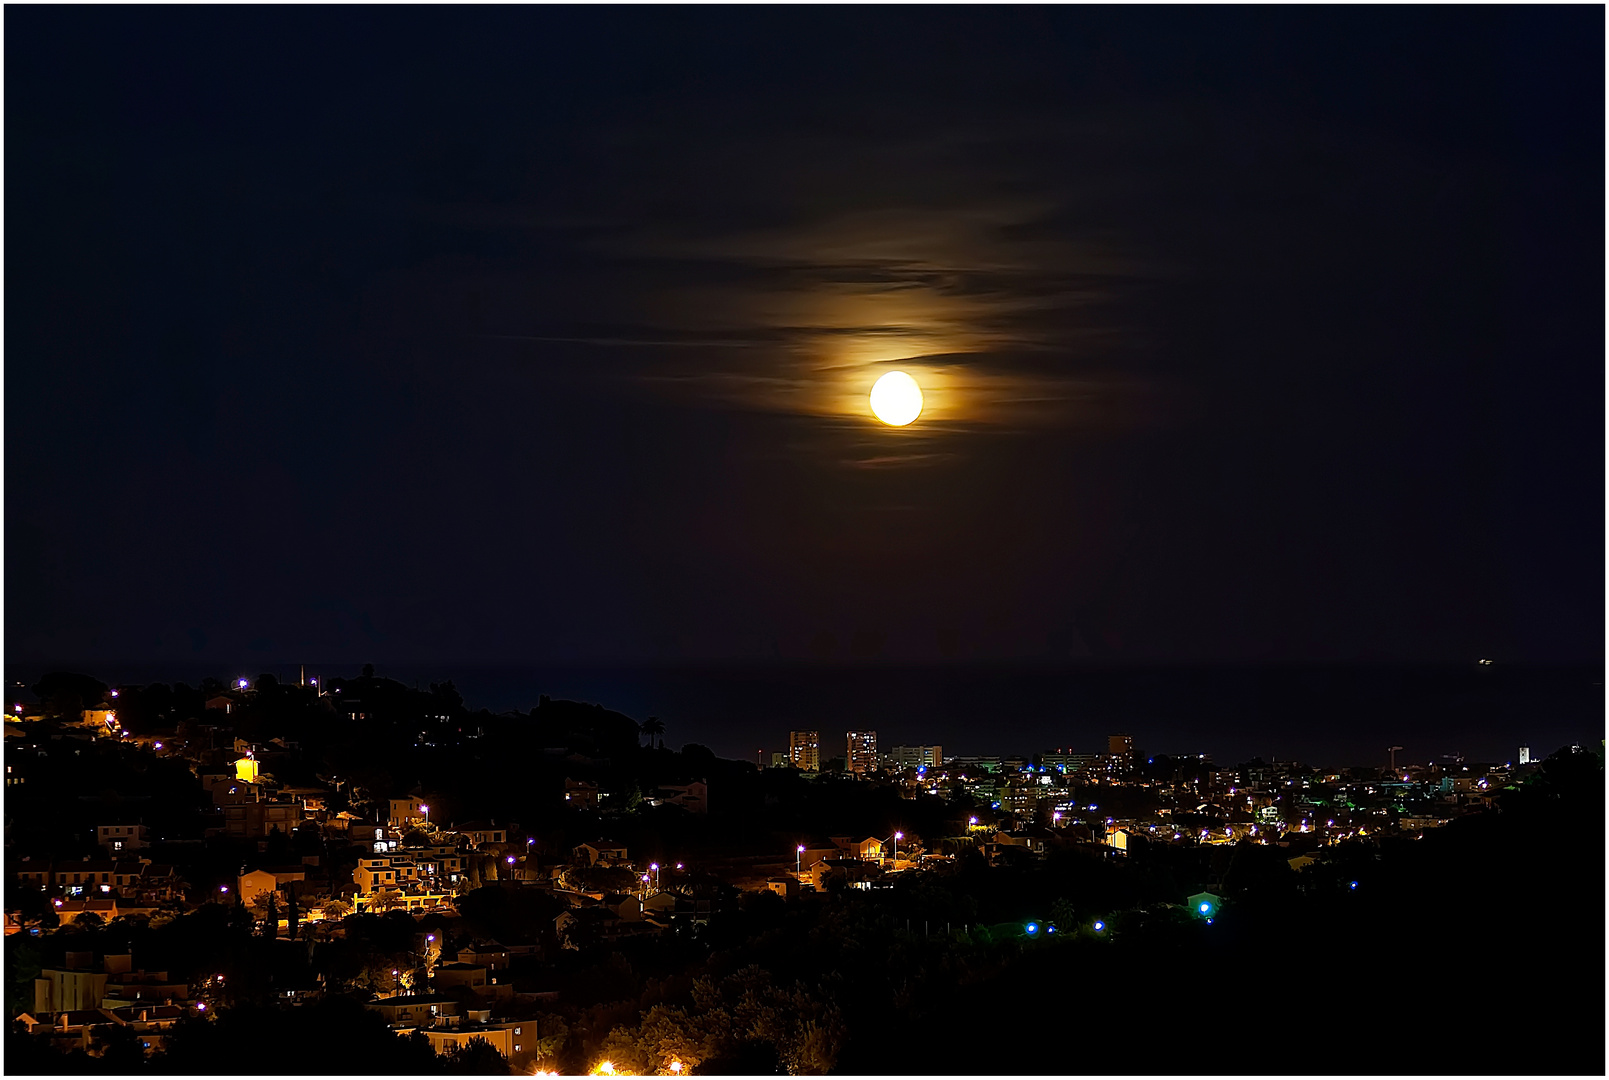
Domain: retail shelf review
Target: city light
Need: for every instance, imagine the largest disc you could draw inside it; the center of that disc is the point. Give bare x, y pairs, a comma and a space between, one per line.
1205, 908
243, 684
675, 1066
1352, 885
510, 860
158, 745
1099, 926
1032, 928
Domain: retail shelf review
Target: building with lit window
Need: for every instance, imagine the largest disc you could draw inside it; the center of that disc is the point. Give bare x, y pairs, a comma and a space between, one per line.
1120, 748
804, 750
861, 755
915, 757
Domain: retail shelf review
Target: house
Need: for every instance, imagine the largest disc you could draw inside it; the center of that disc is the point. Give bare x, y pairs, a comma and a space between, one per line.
84, 877
117, 839
814, 851
491, 956
73, 986
269, 879
103, 907
157, 882
625, 905
601, 853
784, 886
30, 872
374, 872
139, 988
101, 716
581, 794
483, 832
403, 813
500, 1036
867, 848
458, 973
1034, 844
126, 876
663, 905
693, 797
852, 872
259, 819
414, 1009
66, 1030
149, 1022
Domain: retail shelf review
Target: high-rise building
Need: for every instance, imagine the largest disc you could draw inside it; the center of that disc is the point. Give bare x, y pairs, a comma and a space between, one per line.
861, 756
804, 750
915, 757
1120, 749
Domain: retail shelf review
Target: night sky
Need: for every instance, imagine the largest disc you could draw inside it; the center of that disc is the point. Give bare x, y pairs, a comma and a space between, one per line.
544, 335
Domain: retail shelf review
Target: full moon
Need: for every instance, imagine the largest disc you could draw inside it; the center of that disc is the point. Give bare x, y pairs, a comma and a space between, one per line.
896, 399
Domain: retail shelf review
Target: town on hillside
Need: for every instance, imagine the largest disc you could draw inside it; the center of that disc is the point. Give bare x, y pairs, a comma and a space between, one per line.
395, 877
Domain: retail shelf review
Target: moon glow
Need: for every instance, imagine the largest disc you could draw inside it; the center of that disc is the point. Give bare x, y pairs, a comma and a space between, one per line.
896, 399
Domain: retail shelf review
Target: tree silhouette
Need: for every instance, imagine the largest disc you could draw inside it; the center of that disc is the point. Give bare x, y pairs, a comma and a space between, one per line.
651, 727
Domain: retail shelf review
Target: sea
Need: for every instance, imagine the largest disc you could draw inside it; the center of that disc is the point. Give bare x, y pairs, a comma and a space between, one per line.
1324, 715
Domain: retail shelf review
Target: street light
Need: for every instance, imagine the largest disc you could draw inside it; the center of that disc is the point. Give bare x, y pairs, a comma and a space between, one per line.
798, 861
426, 809
898, 836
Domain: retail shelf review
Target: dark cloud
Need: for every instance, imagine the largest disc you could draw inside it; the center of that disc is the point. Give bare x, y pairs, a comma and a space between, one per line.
530, 333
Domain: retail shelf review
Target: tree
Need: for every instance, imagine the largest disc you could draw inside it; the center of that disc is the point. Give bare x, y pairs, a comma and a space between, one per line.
368, 671
336, 910
386, 899
262, 902
477, 1056
551, 1034
651, 727
66, 694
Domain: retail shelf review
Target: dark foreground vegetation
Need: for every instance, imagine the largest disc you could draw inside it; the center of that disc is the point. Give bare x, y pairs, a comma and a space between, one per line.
1477, 949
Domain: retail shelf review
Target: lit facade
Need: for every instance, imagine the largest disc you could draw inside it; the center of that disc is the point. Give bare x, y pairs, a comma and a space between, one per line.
915, 757
804, 750
861, 754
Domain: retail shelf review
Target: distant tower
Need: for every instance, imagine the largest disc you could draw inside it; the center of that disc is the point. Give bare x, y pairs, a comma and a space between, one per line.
804, 750
1121, 749
1392, 750
861, 756
1525, 755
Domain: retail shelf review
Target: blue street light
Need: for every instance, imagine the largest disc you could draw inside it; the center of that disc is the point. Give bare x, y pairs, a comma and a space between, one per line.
1033, 928
1099, 926
1352, 885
